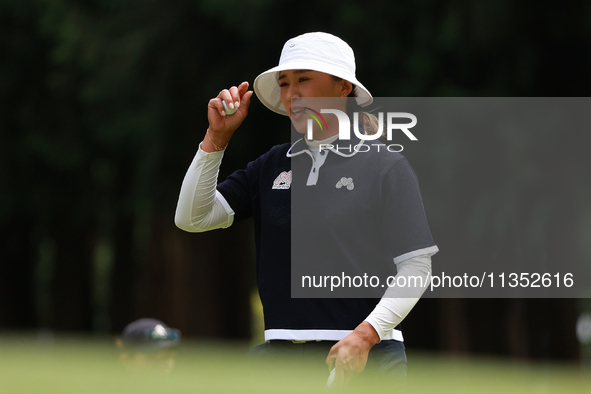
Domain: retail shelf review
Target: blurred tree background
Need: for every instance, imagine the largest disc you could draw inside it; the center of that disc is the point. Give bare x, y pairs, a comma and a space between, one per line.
104, 104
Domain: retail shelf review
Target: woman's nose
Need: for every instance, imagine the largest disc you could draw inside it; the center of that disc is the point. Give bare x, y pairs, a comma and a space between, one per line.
293, 91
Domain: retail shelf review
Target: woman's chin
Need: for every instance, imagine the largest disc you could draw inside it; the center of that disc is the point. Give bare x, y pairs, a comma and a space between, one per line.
299, 124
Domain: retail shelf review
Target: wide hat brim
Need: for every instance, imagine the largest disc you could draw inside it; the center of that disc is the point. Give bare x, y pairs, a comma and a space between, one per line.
268, 91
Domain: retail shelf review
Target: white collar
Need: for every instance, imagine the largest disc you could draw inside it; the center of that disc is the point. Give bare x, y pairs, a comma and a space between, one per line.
315, 144
300, 147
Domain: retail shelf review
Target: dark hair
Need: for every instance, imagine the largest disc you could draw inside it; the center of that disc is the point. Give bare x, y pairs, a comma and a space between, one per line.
369, 121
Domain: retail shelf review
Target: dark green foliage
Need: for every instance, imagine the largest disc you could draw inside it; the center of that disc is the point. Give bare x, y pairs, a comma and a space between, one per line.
104, 104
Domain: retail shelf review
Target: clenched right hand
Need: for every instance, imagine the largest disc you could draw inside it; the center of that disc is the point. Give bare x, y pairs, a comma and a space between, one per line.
222, 126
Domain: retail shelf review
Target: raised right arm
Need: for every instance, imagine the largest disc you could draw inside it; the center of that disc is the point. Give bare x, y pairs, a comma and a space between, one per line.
200, 206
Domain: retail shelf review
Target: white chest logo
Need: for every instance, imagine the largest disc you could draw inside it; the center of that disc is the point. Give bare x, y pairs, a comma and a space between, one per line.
347, 182
283, 181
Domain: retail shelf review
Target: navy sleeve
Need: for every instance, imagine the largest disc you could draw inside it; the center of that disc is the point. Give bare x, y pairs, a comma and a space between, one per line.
240, 189
404, 221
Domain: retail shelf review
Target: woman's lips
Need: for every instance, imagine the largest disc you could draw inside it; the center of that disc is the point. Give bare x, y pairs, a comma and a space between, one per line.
297, 112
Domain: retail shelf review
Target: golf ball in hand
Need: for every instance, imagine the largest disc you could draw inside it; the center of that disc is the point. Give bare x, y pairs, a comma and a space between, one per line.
229, 111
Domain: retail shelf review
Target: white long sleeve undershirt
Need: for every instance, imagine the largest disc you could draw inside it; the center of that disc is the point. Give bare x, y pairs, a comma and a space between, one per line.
202, 208
397, 302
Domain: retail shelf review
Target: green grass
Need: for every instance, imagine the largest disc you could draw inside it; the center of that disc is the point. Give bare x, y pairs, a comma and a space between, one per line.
79, 365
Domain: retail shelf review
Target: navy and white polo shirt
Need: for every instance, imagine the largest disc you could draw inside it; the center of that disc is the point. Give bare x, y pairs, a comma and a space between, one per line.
357, 210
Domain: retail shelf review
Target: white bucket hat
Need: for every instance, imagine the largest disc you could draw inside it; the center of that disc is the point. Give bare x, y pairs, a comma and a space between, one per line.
311, 51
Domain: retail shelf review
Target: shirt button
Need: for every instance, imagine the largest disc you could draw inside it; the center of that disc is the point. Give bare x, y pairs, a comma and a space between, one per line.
314, 170
323, 152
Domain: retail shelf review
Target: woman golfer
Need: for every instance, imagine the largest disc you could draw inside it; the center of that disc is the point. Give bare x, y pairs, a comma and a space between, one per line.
360, 206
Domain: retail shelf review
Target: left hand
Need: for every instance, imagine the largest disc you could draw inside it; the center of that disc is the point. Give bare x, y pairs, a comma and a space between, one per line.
349, 355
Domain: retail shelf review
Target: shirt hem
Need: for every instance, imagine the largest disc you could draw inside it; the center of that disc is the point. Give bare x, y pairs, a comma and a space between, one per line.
229, 211
431, 250
320, 335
